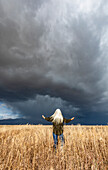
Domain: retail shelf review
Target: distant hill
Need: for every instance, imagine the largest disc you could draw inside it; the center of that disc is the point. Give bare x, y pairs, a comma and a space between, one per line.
22, 121
14, 121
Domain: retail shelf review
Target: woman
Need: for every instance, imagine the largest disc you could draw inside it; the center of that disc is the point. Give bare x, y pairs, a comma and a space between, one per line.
58, 120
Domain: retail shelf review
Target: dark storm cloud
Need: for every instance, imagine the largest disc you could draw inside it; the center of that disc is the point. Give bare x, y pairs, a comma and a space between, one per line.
57, 48
32, 109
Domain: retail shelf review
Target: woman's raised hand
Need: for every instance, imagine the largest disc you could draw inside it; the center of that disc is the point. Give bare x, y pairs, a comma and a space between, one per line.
72, 118
43, 116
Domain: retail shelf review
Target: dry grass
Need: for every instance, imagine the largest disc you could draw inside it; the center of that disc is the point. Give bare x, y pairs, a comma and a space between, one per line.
27, 147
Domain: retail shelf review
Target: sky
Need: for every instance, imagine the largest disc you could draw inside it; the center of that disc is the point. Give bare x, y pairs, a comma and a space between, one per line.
54, 54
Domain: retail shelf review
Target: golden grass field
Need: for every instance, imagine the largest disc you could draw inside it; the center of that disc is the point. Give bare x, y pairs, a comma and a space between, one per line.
30, 147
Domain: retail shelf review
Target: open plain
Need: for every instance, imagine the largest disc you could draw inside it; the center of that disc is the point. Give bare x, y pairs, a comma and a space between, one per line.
30, 147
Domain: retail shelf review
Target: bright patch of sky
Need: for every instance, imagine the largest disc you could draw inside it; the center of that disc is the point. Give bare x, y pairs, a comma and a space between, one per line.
6, 112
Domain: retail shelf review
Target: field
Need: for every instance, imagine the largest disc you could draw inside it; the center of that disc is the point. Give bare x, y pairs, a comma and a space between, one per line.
30, 147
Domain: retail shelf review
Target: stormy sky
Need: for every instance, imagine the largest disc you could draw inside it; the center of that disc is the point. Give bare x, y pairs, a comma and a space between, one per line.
54, 54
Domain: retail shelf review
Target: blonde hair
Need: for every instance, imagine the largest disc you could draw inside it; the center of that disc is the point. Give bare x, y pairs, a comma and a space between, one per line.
57, 117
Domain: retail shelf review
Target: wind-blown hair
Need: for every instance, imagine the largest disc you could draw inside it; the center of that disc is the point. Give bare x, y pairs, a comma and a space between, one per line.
57, 117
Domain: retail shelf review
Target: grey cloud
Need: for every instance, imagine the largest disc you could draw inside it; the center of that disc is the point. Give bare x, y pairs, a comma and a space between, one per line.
42, 104
57, 48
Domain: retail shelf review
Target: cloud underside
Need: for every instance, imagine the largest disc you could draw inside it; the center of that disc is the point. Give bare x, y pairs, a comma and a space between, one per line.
57, 49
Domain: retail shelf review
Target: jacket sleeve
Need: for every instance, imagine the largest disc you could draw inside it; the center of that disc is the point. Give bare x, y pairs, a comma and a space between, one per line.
50, 119
66, 120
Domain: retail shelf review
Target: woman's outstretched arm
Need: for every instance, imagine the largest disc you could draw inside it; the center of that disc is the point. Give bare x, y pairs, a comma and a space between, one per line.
72, 118
43, 116
50, 119
68, 120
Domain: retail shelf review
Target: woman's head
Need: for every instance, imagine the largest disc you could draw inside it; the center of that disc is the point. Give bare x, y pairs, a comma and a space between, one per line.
57, 116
